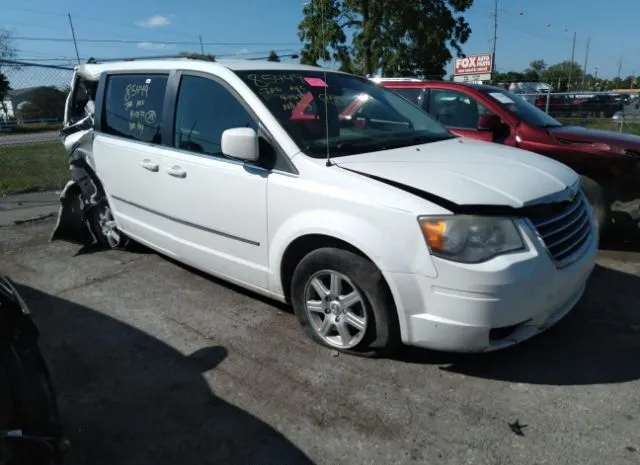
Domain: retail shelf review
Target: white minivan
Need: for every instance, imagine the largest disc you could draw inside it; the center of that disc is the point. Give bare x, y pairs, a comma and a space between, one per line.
323, 190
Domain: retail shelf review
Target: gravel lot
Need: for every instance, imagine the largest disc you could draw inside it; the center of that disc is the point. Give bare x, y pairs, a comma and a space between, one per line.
155, 363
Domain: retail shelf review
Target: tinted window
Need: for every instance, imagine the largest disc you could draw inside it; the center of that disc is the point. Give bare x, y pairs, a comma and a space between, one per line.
413, 95
455, 109
205, 109
133, 106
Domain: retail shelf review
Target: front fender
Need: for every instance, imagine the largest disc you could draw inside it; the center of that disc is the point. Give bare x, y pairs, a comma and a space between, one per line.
396, 246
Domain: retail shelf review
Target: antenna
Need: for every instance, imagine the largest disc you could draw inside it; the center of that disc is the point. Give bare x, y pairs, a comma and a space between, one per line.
326, 101
73, 34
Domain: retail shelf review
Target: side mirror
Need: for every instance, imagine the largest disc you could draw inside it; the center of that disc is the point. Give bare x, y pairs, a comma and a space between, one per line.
489, 123
240, 143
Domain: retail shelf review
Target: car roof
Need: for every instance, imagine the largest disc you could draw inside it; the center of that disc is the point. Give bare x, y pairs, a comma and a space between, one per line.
441, 84
94, 70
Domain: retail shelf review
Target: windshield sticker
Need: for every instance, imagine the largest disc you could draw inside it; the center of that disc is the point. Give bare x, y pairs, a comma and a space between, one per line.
500, 97
315, 82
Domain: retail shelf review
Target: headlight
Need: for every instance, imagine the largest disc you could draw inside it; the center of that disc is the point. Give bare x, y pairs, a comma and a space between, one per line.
470, 239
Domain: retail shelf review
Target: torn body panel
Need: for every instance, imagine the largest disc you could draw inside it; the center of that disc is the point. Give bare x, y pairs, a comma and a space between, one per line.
83, 192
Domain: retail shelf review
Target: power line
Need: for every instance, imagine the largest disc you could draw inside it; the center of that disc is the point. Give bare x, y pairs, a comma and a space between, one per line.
58, 58
159, 42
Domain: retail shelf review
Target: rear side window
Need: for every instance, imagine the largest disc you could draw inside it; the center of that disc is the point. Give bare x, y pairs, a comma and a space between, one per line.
133, 106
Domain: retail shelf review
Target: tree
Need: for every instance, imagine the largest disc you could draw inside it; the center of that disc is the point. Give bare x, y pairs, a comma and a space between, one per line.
397, 37
509, 77
534, 72
44, 102
273, 56
559, 74
8, 51
4, 88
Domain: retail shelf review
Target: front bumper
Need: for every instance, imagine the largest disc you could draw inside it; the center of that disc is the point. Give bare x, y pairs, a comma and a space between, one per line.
493, 305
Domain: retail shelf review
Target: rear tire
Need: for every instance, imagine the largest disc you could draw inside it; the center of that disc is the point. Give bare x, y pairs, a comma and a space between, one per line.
596, 197
342, 301
104, 227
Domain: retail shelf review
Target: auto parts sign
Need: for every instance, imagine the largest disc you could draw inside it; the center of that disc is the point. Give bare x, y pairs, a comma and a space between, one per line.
473, 64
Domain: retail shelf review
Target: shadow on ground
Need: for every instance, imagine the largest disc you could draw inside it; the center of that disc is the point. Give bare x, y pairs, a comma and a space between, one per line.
128, 398
597, 343
624, 235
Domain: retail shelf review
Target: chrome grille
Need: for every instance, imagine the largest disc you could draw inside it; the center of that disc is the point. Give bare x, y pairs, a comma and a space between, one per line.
565, 231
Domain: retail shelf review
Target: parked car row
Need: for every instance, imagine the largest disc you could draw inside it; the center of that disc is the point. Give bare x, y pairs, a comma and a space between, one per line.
567, 105
358, 205
609, 162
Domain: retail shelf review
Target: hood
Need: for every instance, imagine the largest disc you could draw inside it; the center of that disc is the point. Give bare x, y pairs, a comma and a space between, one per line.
467, 172
578, 134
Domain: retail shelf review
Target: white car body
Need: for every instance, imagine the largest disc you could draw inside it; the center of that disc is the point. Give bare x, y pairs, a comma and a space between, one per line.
237, 222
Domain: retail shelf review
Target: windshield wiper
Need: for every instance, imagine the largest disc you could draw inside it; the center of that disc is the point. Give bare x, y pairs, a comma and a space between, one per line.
548, 125
375, 143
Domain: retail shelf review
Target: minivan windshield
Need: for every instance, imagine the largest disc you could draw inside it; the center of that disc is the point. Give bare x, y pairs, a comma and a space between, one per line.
526, 111
341, 113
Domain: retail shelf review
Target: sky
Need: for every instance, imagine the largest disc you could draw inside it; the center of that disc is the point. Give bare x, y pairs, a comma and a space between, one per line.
527, 30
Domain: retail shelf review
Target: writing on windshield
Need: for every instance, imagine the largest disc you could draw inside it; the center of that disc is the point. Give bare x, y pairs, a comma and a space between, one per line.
340, 112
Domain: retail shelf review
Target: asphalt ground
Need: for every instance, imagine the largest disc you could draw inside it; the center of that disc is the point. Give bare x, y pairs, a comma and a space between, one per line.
156, 363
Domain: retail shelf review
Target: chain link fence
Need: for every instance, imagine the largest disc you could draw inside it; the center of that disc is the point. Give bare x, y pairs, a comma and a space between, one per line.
611, 111
31, 115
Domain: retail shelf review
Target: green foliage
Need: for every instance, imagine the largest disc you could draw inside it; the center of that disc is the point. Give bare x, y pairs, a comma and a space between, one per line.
559, 74
396, 37
4, 86
44, 102
8, 50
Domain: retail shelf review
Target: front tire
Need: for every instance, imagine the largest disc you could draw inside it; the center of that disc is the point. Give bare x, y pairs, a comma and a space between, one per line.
342, 301
596, 197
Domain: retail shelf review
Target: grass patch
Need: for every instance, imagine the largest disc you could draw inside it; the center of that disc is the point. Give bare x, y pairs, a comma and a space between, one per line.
33, 167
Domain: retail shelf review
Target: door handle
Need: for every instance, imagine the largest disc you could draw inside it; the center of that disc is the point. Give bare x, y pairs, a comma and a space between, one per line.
176, 171
149, 165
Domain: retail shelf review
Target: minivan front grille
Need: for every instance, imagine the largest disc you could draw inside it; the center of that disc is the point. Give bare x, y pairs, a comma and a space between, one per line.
566, 231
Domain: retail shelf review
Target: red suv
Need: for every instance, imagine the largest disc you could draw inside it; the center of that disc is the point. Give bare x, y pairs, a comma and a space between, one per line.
609, 162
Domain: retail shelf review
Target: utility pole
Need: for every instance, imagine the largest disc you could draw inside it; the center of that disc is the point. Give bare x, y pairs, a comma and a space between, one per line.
586, 61
73, 34
619, 67
495, 36
573, 55
201, 45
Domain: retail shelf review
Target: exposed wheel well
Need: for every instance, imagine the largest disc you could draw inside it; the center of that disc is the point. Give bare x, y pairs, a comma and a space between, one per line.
301, 247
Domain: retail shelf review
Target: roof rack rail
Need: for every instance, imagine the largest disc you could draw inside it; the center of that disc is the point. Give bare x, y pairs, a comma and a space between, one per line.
191, 56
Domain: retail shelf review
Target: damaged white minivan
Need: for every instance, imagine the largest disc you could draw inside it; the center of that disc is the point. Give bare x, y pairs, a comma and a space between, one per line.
320, 189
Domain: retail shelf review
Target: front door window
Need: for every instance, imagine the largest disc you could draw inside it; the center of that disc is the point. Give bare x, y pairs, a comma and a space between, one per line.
455, 109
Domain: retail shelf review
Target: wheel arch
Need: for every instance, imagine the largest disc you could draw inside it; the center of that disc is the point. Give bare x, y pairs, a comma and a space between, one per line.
305, 244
